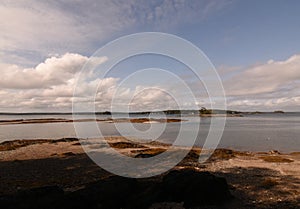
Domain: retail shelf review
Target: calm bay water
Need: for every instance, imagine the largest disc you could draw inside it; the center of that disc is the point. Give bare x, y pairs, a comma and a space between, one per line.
261, 132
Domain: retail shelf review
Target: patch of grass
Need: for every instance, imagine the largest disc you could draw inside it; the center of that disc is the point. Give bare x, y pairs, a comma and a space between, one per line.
276, 159
148, 152
66, 154
222, 154
13, 145
269, 183
143, 120
193, 155
295, 153
227, 154
125, 145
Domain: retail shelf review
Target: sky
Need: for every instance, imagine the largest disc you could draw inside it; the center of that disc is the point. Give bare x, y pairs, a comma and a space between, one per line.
254, 46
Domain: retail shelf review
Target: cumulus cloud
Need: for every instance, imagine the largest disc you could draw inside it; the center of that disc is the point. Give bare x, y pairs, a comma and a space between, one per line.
50, 87
151, 98
54, 71
32, 30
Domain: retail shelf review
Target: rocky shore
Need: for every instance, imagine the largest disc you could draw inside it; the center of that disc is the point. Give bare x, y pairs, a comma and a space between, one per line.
58, 174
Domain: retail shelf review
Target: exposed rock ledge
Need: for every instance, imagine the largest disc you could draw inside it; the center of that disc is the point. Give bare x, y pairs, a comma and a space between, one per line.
110, 120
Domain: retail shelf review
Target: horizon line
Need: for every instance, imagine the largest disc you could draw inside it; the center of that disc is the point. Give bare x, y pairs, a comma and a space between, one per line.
133, 112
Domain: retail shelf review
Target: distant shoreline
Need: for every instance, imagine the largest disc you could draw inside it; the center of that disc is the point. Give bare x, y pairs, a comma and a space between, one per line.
123, 117
167, 112
109, 120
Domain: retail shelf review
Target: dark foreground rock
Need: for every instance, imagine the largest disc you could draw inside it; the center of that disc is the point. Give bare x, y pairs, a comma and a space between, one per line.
188, 186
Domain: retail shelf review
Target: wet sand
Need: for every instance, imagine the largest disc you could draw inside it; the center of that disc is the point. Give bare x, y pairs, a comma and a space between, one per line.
256, 180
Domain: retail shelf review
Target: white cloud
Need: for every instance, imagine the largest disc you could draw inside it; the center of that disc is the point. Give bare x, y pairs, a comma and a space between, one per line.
266, 78
54, 71
45, 27
50, 87
152, 98
33, 29
275, 84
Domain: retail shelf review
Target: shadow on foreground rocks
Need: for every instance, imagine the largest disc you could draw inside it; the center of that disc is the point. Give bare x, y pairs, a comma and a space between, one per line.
71, 180
190, 187
262, 188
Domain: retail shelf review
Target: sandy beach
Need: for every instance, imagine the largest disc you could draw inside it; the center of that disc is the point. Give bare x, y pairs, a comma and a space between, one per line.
255, 180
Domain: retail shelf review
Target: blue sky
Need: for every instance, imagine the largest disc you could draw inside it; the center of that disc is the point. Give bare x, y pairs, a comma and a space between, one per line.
251, 32
254, 39
243, 33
